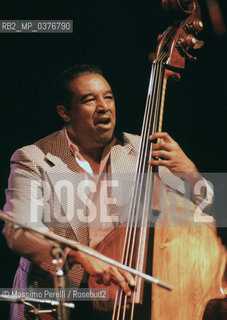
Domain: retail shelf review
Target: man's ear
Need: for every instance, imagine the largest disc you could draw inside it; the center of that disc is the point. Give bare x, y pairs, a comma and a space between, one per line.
63, 113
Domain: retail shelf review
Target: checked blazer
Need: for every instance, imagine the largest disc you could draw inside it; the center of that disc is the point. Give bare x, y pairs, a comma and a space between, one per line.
30, 198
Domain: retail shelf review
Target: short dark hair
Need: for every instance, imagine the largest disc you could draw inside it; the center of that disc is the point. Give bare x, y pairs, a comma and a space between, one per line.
63, 94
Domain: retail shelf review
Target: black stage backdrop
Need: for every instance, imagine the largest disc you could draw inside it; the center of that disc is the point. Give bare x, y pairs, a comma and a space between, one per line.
118, 36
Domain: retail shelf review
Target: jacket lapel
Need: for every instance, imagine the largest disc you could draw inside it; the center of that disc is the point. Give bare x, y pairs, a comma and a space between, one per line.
63, 174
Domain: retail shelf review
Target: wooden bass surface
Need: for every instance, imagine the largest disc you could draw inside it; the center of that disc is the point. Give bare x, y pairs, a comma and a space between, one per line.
186, 254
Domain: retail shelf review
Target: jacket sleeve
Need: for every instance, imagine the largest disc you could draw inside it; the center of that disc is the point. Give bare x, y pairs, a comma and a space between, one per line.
203, 195
24, 203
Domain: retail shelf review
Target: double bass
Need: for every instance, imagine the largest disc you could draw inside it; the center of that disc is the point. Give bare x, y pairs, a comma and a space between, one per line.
166, 235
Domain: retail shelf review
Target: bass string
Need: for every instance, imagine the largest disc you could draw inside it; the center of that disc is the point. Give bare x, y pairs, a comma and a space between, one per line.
148, 178
144, 170
143, 152
144, 140
147, 190
118, 299
151, 113
135, 189
129, 227
134, 210
148, 182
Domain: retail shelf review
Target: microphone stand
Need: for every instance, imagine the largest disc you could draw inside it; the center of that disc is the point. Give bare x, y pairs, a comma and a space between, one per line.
59, 279
29, 302
77, 246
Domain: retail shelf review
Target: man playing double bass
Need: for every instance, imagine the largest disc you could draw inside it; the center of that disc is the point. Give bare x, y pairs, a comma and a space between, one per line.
86, 147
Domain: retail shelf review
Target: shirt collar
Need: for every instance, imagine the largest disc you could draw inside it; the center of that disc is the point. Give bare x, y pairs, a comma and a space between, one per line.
76, 153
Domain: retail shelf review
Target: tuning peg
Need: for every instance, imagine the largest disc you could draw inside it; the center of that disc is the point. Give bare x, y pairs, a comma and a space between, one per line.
192, 42
197, 25
199, 44
183, 44
194, 26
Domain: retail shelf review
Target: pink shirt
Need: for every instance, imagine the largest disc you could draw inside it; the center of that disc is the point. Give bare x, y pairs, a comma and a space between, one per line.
98, 227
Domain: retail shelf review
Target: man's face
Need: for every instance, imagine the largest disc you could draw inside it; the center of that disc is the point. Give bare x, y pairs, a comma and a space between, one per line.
92, 113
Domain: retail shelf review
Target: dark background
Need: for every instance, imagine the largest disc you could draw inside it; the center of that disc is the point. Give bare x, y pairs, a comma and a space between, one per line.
117, 36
